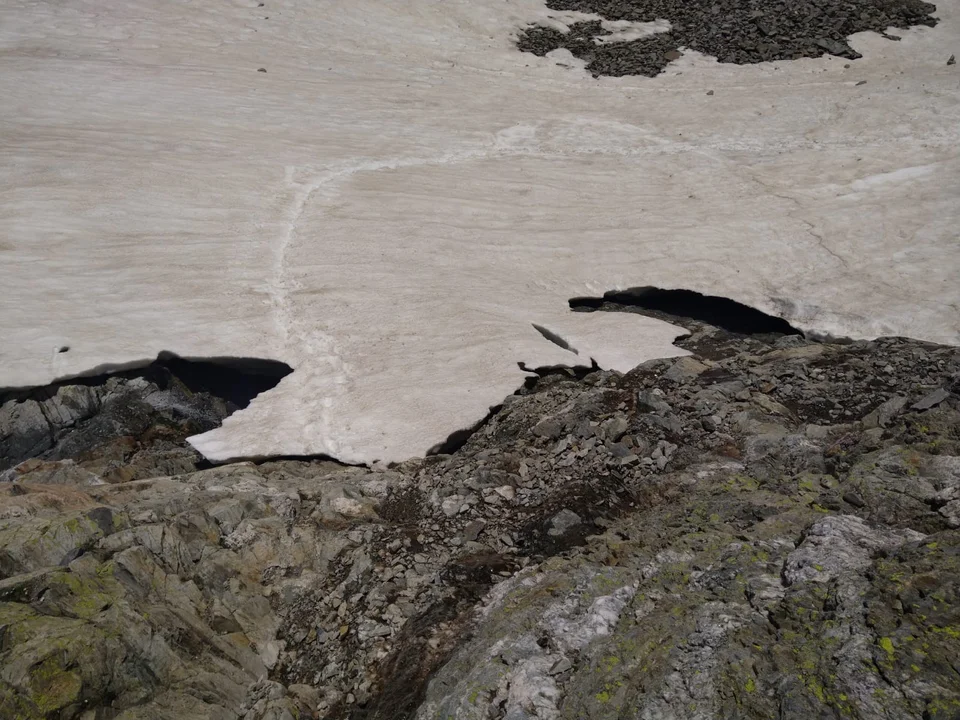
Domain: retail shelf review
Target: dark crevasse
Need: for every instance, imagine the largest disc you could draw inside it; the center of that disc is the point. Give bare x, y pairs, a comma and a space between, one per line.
722, 312
234, 379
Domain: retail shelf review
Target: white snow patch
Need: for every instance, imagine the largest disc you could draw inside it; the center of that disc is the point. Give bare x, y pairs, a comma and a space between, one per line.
625, 30
402, 194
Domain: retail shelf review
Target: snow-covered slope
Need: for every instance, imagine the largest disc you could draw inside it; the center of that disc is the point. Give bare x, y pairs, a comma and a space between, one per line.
402, 195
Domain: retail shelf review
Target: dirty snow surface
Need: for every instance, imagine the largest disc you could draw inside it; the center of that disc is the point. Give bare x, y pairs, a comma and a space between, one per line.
402, 195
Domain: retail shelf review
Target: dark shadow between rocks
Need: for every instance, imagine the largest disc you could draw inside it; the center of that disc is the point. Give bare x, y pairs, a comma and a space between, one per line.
263, 459
719, 311
458, 438
538, 374
235, 379
134, 419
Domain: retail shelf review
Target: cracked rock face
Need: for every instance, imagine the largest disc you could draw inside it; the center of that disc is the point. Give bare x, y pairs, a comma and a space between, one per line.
767, 528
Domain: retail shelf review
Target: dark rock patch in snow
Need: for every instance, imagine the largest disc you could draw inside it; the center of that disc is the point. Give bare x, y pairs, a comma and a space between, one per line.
733, 31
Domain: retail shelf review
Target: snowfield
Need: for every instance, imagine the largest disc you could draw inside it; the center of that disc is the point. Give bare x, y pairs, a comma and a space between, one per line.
394, 204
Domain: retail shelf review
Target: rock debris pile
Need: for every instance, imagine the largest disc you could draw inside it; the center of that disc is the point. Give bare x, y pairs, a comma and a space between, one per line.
732, 31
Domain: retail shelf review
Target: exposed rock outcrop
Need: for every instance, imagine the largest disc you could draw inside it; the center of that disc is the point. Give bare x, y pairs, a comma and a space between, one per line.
770, 528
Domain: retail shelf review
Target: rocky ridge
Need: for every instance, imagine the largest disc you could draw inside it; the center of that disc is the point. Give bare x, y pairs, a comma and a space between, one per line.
768, 527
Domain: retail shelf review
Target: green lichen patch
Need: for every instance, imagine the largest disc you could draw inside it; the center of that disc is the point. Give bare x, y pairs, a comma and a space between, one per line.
17, 705
81, 596
53, 687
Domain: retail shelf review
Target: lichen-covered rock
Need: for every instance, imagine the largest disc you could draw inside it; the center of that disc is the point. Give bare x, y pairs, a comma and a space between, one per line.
157, 604
839, 546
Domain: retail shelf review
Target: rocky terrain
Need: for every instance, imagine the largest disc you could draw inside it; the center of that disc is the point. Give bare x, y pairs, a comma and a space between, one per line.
732, 31
769, 527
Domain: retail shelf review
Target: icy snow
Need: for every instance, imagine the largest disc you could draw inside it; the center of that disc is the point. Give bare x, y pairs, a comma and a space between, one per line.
394, 204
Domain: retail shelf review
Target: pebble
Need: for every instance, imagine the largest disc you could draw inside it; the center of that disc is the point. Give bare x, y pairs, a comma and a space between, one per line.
562, 522
451, 505
473, 530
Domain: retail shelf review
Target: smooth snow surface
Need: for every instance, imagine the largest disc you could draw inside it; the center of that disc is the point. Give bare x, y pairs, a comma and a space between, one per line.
403, 195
